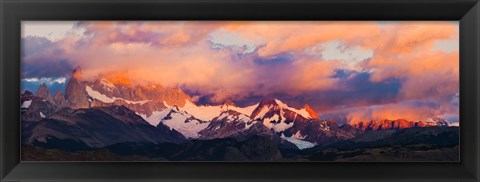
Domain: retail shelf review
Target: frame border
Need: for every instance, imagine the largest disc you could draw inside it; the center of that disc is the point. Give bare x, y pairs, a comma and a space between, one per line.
467, 12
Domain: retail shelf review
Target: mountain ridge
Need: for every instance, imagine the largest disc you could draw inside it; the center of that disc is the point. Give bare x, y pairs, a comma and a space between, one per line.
172, 109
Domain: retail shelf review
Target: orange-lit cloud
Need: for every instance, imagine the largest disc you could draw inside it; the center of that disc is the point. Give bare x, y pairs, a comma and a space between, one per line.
392, 112
242, 60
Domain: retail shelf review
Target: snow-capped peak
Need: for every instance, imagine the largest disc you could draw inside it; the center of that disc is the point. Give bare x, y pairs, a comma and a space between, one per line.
438, 121
280, 103
310, 111
107, 84
203, 112
228, 102
208, 112
101, 97
301, 144
278, 116
26, 104
186, 124
303, 112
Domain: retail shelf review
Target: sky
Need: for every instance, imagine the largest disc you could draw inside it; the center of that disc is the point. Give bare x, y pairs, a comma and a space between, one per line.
349, 71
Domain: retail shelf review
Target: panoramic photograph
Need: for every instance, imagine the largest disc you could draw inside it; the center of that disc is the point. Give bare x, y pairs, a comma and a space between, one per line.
292, 91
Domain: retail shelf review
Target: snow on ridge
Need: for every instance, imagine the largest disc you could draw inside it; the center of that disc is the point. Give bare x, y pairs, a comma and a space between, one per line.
101, 97
26, 104
166, 105
188, 129
248, 122
156, 116
262, 112
298, 136
241, 117
107, 84
42, 115
301, 144
208, 112
277, 127
178, 121
205, 113
454, 124
97, 95
303, 112
222, 116
248, 110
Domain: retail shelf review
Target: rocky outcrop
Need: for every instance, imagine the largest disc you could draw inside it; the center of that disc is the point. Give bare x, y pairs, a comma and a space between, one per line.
106, 100
228, 103
391, 124
98, 127
75, 92
35, 108
143, 99
229, 124
310, 111
43, 91
59, 99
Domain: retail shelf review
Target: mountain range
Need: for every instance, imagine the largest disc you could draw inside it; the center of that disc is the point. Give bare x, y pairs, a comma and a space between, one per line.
108, 111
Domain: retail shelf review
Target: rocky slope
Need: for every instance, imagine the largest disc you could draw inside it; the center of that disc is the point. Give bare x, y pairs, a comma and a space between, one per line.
75, 92
392, 124
170, 111
96, 127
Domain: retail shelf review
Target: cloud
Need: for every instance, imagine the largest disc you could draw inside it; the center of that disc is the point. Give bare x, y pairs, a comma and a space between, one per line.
366, 67
160, 33
392, 112
44, 58
446, 45
51, 30
48, 81
222, 39
288, 37
32, 45
335, 50
57, 68
32, 84
410, 110
354, 90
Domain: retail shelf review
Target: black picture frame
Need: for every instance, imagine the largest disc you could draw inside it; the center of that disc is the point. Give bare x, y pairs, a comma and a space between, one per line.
12, 12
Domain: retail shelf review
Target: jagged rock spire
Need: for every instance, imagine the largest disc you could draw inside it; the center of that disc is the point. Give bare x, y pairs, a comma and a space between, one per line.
59, 99
75, 93
59, 92
43, 91
229, 102
76, 73
27, 92
310, 111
